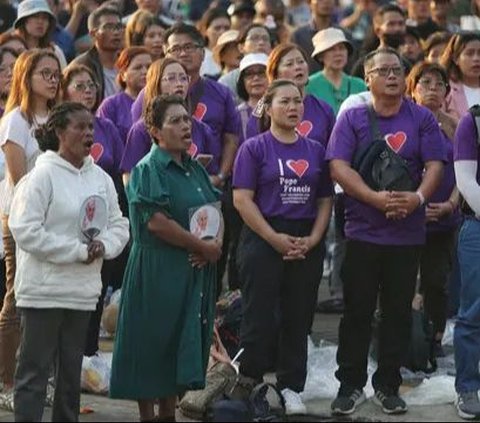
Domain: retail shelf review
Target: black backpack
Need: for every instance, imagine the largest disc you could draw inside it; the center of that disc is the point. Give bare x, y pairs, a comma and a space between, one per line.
379, 166
255, 409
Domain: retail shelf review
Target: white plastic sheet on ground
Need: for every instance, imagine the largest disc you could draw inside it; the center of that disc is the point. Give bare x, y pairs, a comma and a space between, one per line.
322, 384
96, 372
434, 391
322, 364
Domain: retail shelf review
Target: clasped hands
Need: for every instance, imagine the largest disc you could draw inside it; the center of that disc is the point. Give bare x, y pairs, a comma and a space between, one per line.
210, 253
292, 247
95, 250
397, 205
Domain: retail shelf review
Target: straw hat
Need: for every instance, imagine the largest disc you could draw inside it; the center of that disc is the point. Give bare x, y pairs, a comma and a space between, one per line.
31, 7
228, 37
327, 38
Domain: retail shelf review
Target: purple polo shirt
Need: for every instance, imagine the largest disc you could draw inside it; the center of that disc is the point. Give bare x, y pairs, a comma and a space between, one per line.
117, 109
107, 148
413, 133
139, 144
317, 122
465, 145
287, 178
444, 191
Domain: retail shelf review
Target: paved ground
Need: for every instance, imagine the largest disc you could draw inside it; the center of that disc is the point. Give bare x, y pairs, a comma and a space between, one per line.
325, 327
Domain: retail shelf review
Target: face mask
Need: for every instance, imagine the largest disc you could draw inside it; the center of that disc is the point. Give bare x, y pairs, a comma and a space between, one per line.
394, 40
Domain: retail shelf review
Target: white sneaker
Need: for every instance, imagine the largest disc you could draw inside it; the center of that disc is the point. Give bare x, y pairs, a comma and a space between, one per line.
293, 403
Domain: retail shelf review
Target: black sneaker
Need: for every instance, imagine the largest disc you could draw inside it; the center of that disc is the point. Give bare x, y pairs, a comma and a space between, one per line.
347, 401
390, 402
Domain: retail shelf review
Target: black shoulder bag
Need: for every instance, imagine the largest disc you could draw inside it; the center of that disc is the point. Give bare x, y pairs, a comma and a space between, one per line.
379, 166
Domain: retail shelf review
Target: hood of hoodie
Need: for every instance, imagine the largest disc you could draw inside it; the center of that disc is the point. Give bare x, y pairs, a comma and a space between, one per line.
53, 158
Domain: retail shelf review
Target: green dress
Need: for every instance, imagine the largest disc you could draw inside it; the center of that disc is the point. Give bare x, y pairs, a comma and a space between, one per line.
167, 309
321, 87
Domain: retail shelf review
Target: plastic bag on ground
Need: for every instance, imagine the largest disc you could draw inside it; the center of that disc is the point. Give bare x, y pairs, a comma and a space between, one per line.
434, 391
96, 370
448, 334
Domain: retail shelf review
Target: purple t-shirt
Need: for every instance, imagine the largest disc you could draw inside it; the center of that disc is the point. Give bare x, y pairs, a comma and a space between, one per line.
139, 144
465, 145
413, 133
444, 192
117, 109
287, 178
216, 108
107, 148
317, 123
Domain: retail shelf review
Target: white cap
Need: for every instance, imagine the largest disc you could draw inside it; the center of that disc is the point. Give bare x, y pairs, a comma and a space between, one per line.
31, 7
253, 59
327, 38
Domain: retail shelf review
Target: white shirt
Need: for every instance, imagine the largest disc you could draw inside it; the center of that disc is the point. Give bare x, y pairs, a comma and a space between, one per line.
472, 95
209, 66
15, 128
110, 82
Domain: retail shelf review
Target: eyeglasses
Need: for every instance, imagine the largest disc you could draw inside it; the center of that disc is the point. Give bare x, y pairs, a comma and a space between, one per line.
385, 71
258, 38
250, 74
429, 83
187, 48
112, 27
49, 75
84, 86
171, 79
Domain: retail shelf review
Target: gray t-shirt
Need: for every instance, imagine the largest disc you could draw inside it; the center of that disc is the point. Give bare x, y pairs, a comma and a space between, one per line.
110, 86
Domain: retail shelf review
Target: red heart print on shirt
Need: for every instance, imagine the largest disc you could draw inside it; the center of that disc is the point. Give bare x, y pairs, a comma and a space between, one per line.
298, 166
396, 141
200, 111
192, 150
304, 128
96, 151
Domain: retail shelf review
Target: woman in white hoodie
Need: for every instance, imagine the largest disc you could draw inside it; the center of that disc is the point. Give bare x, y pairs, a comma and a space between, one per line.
58, 272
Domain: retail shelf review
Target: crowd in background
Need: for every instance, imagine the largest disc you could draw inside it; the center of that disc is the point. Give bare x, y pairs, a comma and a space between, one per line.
266, 108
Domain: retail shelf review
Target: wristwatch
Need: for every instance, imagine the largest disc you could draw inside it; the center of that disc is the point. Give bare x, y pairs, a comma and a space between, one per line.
221, 176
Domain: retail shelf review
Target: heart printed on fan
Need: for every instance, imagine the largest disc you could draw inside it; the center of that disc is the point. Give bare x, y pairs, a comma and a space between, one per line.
396, 141
96, 151
299, 167
304, 128
200, 111
192, 150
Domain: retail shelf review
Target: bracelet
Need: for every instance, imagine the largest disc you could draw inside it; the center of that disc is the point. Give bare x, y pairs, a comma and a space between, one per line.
421, 198
221, 176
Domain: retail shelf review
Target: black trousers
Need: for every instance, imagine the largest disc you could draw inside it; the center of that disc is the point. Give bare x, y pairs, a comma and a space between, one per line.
112, 275
233, 227
50, 335
372, 272
435, 268
277, 305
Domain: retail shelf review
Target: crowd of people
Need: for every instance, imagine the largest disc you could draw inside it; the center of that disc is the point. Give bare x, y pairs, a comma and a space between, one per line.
123, 122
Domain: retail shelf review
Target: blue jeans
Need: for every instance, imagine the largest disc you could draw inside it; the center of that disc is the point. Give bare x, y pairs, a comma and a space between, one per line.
467, 329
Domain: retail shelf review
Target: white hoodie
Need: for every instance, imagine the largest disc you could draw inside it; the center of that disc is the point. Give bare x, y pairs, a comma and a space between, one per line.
44, 222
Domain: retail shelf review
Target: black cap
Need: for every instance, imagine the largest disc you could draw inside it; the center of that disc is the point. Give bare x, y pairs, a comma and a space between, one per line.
241, 6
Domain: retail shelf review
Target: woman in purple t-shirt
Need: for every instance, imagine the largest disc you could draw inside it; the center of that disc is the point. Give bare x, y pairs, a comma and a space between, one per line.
166, 76
427, 84
79, 85
288, 61
251, 85
132, 65
283, 191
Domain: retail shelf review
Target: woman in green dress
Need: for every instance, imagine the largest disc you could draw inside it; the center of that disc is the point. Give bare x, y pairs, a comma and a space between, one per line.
167, 309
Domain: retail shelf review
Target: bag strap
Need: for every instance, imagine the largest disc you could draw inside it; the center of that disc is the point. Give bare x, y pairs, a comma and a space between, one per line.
197, 95
257, 390
372, 118
475, 112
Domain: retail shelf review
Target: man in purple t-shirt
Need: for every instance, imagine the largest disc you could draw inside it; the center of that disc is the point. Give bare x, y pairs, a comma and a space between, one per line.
384, 231
467, 329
